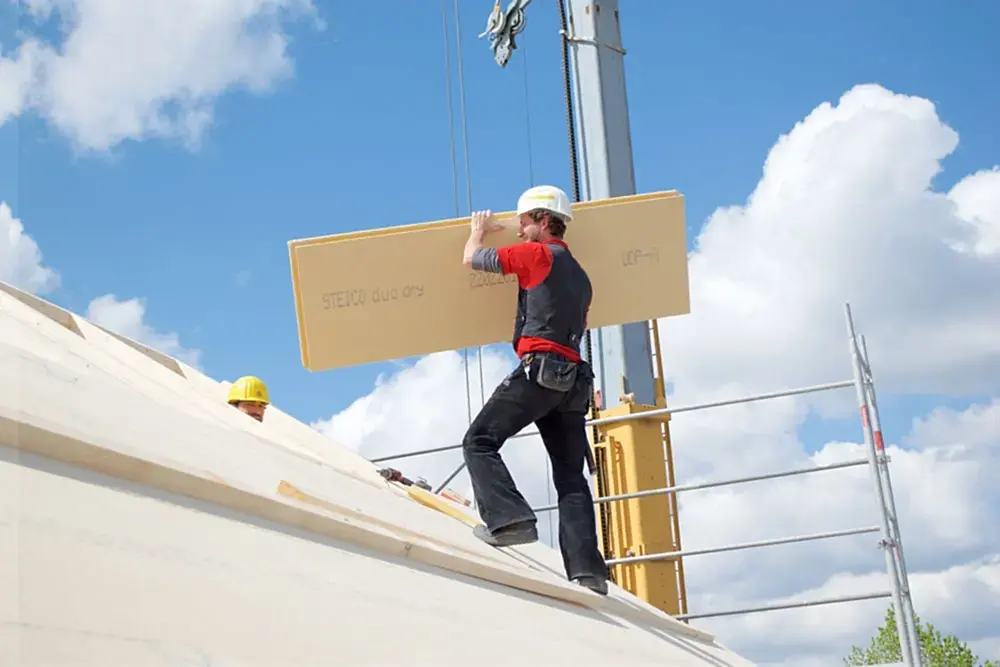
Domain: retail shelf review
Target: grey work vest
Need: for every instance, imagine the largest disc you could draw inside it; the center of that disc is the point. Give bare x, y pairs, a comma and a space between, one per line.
556, 309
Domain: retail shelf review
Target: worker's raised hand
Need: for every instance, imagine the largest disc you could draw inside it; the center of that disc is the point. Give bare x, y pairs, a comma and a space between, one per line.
483, 223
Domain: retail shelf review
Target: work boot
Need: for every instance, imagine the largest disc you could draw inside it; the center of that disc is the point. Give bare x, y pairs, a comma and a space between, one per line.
508, 536
596, 584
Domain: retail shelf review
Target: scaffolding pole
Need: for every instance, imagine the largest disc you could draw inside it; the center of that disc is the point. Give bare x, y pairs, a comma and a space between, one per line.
883, 466
909, 645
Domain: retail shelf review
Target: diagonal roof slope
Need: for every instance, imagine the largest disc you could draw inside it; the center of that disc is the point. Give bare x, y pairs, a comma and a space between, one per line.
145, 522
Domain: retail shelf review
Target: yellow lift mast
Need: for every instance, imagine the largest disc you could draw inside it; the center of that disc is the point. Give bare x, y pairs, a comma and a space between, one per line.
634, 456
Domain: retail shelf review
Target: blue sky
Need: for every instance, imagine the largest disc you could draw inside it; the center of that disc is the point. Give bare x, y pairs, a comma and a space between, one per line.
711, 87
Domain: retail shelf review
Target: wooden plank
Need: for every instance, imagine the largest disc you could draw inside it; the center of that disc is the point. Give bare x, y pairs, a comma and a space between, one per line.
288, 490
392, 294
436, 502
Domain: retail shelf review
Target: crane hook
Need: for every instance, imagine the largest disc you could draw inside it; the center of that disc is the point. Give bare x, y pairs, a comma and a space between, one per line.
502, 27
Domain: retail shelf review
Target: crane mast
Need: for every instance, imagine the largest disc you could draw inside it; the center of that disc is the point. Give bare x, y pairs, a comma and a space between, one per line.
633, 455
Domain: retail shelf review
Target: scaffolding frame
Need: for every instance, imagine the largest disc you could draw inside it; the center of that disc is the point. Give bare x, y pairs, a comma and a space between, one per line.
876, 460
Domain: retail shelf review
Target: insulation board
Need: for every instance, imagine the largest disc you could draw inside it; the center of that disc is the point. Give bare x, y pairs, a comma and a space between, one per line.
391, 293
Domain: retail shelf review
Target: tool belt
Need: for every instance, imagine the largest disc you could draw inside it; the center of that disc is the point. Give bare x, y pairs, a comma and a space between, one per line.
553, 371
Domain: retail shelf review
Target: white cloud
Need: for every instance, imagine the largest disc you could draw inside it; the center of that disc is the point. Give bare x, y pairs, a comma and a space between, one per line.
16, 77
144, 68
20, 257
978, 200
128, 318
845, 211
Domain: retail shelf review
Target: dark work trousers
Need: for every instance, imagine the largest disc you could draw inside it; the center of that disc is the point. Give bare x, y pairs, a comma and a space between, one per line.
560, 418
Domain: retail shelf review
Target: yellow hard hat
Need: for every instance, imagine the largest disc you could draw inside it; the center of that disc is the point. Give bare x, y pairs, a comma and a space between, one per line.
248, 388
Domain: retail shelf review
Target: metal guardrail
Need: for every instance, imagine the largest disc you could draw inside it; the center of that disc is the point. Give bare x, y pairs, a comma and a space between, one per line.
668, 555
876, 460
710, 485
787, 605
645, 415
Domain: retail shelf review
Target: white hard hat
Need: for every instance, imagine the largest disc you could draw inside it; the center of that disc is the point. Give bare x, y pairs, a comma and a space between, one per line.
545, 198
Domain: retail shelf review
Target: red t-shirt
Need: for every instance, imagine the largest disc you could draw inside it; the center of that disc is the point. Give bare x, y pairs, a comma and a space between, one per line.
531, 261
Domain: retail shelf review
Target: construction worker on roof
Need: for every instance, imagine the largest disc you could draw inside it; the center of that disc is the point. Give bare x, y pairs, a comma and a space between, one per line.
249, 395
551, 386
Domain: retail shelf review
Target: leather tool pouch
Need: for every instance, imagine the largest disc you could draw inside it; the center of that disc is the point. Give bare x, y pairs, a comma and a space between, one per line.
555, 374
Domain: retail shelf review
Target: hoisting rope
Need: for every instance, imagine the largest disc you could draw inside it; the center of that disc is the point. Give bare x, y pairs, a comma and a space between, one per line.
531, 182
604, 509
468, 170
501, 28
454, 169
468, 188
574, 163
527, 121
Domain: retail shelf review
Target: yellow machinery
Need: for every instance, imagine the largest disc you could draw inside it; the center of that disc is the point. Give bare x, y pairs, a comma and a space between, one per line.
631, 456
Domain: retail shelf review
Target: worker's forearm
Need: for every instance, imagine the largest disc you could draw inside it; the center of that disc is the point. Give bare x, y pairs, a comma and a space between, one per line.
474, 243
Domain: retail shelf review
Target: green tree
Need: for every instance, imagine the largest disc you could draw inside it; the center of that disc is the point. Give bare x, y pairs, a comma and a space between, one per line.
936, 650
